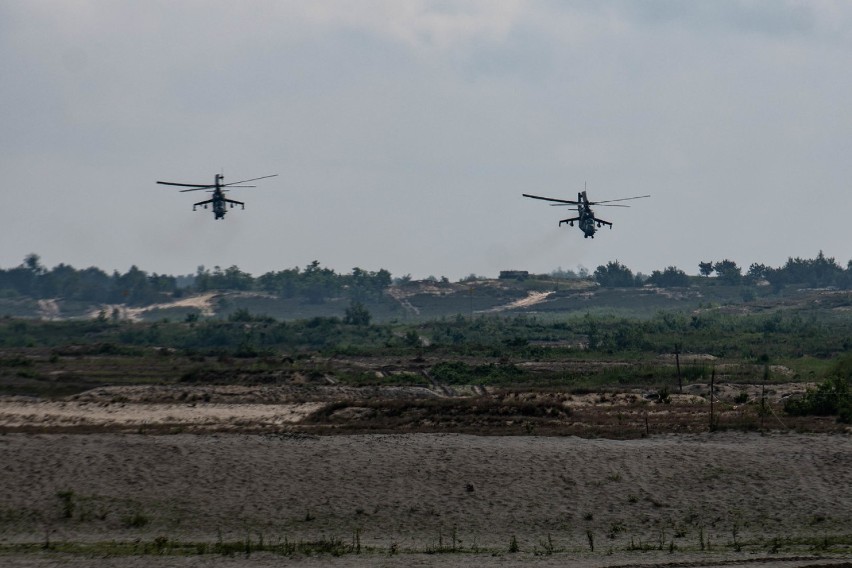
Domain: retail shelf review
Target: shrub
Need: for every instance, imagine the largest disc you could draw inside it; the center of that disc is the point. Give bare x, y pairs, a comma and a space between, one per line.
66, 499
831, 398
460, 373
136, 520
357, 314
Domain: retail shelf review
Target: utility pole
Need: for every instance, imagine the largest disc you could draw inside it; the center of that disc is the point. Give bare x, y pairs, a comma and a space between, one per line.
677, 362
763, 394
712, 389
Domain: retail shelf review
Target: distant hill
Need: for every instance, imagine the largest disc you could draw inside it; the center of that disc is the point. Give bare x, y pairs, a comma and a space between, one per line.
64, 292
413, 301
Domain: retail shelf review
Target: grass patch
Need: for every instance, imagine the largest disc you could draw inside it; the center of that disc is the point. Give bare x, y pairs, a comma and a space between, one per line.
336, 547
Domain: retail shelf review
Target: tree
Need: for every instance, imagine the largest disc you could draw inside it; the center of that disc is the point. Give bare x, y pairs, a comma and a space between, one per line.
614, 275
202, 279
364, 284
728, 271
817, 272
62, 281
285, 282
236, 279
671, 277
318, 283
357, 314
757, 272
232, 278
95, 285
133, 287
33, 263
705, 268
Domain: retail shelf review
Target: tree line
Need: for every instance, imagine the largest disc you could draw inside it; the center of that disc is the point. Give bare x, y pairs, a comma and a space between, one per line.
314, 283
819, 272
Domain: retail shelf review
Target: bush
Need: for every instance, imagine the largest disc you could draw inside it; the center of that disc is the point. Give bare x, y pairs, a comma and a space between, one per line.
357, 314
830, 398
460, 373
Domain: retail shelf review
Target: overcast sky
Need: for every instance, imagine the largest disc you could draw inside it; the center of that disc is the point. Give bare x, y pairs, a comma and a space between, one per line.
405, 132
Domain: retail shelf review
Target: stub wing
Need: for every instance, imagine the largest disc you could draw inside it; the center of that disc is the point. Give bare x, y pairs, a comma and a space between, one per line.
194, 205
569, 221
602, 222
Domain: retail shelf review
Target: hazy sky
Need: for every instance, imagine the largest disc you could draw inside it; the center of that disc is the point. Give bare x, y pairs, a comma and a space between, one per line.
405, 132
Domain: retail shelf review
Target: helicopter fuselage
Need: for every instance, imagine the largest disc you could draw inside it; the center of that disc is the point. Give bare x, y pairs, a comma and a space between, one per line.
218, 200
585, 218
219, 208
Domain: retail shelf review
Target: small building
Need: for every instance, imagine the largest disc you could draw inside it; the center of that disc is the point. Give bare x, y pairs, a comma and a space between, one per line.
514, 274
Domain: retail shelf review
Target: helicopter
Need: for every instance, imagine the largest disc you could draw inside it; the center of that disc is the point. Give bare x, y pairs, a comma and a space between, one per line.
217, 200
585, 217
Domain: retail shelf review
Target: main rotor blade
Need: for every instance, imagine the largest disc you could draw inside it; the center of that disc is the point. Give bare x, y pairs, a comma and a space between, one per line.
195, 185
561, 201
623, 199
213, 188
245, 180
595, 204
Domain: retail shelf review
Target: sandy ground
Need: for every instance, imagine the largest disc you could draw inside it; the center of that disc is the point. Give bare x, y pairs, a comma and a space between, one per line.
14, 413
273, 408
530, 300
732, 493
201, 302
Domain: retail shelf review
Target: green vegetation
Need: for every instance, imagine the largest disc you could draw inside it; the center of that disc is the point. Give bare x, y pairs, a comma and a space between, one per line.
833, 397
671, 277
778, 336
315, 285
542, 365
135, 287
335, 547
615, 275
574, 353
616, 332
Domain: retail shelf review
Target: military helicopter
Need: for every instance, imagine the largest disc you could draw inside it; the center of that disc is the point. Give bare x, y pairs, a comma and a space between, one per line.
217, 200
585, 217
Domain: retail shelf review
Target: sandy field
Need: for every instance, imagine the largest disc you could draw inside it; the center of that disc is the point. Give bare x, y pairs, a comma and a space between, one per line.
340, 409
425, 500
